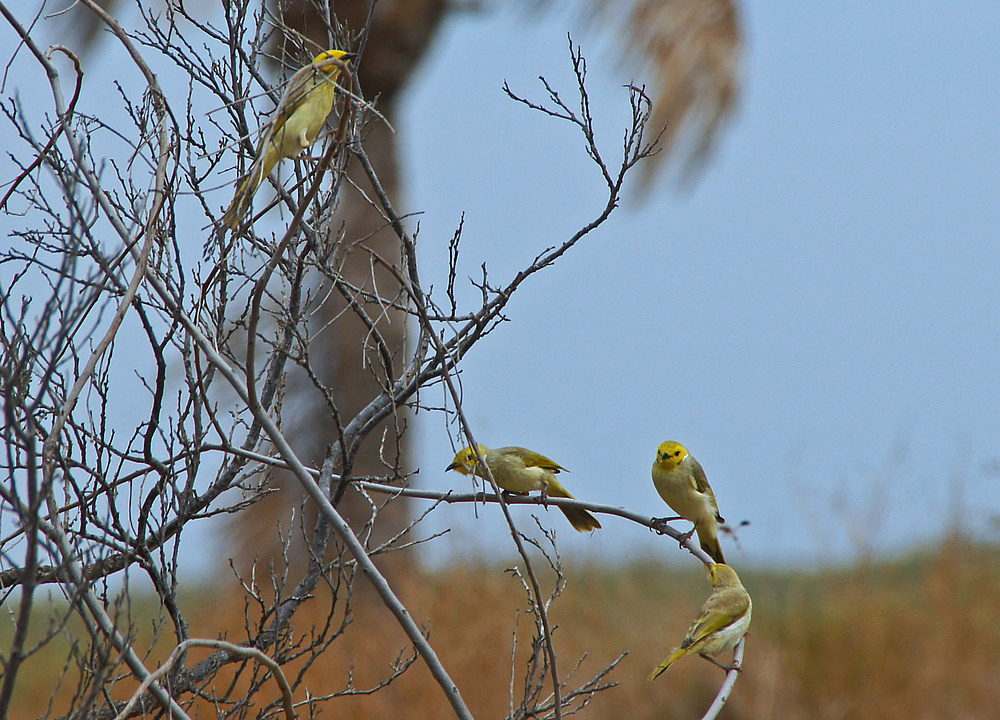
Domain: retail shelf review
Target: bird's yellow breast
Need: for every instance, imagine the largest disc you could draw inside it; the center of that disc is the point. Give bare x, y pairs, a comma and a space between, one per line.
676, 486
303, 125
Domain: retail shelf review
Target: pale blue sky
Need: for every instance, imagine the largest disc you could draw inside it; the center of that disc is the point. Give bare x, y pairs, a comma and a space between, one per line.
822, 301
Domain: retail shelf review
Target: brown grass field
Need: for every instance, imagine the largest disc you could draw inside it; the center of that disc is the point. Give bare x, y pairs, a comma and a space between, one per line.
918, 637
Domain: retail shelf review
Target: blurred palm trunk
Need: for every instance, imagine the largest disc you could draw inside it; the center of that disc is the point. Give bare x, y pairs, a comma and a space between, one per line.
400, 33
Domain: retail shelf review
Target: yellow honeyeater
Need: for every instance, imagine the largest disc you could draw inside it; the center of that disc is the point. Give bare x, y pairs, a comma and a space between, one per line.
293, 126
518, 470
723, 620
682, 484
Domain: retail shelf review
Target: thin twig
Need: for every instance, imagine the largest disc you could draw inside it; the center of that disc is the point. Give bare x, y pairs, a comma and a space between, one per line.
727, 685
239, 650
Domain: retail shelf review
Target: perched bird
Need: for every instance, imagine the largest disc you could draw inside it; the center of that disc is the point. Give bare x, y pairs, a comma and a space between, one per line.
723, 620
293, 126
682, 484
519, 471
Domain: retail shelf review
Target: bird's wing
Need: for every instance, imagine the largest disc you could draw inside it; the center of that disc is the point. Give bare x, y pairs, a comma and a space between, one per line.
722, 609
702, 486
532, 459
293, 98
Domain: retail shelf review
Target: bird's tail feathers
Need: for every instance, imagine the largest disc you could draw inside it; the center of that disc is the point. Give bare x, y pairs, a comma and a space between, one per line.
710, 544
658, 670
708, 538
239, 206
243, 199
579, 518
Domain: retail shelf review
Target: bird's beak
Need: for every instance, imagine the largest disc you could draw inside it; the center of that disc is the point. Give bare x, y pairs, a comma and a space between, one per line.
349, 56
451, 467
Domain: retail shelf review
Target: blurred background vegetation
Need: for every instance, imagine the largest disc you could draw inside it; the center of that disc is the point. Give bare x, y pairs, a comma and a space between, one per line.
911, 638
